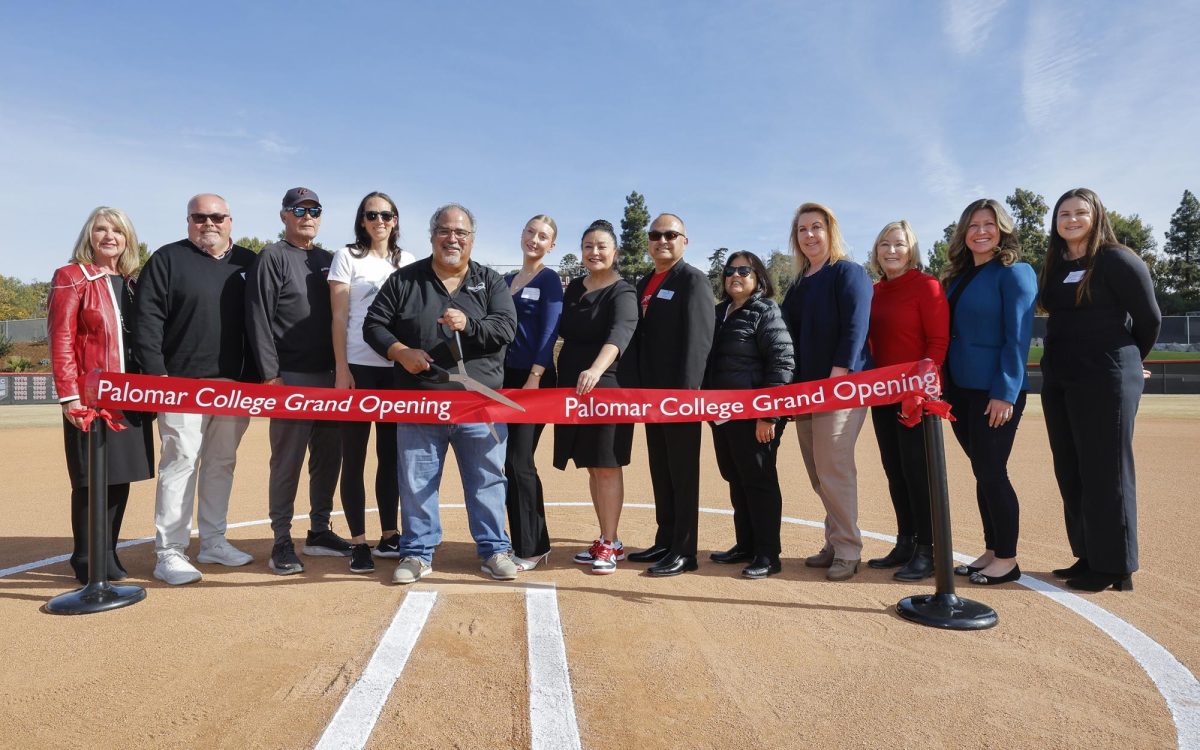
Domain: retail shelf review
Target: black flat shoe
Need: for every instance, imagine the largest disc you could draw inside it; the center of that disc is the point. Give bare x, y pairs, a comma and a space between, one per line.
900, 554
1080, 568
1100, 581
734, 554
762, 567
651, 554
984, 580
966, 570
672, 565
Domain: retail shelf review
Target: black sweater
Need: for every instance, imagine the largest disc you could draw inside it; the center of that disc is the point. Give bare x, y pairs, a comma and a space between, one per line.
190, 319
1120, 311
288, 315
407, 308
751, 348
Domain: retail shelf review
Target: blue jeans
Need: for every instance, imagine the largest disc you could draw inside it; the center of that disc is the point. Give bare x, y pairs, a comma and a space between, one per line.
421, 453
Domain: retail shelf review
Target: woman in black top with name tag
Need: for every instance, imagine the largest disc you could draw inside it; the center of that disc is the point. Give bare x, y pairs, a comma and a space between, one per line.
1103, 322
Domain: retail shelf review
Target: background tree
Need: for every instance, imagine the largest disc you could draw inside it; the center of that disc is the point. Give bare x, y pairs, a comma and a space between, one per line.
633, 262
939, 254
1029, 211
21, 301
1183, 252
253, 244
782, 271
716, 269
569, 266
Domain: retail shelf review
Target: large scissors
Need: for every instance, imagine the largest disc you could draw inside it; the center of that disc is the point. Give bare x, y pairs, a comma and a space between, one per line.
437, 374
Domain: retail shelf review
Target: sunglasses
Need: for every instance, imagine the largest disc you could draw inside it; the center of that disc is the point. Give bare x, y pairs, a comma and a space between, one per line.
655, 236
739, 270
376, 215
299, 211
214, 218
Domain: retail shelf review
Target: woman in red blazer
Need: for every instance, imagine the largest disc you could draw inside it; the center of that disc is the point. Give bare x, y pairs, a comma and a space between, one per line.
909, 321
91, 300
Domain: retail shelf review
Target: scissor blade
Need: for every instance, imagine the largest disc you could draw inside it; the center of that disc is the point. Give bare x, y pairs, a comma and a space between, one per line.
472, 385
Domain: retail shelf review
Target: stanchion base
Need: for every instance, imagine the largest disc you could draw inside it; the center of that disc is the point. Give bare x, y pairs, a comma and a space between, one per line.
947, 611
95, 597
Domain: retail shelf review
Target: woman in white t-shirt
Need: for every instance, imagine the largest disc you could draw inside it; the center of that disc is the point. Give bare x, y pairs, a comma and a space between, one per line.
357, 273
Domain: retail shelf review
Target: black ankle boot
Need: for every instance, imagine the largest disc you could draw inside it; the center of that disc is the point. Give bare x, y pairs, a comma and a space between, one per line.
919, 567
80, 566
900, 554
116, 571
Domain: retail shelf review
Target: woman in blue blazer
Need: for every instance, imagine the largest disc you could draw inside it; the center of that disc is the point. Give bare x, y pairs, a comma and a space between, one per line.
991, 297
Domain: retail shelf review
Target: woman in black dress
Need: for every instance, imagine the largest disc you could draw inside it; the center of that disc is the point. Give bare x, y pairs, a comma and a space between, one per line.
598, 318
90, 306
1103, 322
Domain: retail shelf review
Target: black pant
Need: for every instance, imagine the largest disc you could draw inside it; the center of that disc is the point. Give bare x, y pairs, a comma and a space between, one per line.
674, 450
902, 451
526, 509
1090, 400
118, 496
355, 436
749, 467
989, 448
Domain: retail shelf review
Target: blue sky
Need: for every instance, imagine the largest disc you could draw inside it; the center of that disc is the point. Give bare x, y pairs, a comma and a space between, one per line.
728, 114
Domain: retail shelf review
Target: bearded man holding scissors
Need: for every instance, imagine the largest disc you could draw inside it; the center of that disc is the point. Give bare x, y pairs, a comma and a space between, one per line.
447, 313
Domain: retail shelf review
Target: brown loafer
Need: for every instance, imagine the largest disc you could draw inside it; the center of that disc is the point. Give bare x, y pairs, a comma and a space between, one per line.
842, 570
822, 559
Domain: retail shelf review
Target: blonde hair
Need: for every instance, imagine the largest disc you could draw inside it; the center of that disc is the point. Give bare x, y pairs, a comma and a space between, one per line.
1008, 250
914, 250
127, 264
546, 220
837, 246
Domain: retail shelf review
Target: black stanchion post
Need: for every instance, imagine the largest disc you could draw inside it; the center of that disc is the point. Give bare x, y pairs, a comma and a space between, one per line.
942, 609
98, 595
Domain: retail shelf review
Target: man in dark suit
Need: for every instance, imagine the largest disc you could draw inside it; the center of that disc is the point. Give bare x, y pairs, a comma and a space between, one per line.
669, 350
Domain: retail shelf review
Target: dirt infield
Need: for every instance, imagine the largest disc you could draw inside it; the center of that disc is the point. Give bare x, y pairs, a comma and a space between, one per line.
704, 660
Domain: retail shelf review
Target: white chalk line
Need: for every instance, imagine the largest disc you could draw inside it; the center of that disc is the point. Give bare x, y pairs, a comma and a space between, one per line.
1178, 686
551, 704
355, 719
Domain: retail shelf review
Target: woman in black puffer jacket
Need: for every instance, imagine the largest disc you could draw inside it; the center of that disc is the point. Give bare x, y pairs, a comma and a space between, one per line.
751, 349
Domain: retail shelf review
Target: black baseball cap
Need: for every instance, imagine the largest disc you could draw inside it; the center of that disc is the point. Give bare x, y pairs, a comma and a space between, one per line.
298, 195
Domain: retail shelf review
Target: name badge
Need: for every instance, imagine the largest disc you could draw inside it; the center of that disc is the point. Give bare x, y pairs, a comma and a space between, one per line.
531, 292
477, 287
1074, 277
665, 294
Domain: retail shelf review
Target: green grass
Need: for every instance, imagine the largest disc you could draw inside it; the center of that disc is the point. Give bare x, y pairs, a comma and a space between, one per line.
1035, 355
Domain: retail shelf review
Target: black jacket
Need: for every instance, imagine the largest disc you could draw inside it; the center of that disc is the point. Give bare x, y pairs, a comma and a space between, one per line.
670, 346
409, 303
752, 348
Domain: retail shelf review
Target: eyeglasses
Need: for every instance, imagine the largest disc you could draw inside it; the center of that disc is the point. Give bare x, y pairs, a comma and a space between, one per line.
299, 211
655, 236
739, 270
459, 234
376, 215
214, 218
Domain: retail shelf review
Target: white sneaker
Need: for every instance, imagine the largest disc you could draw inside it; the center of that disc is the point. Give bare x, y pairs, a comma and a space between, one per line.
174, 568
221, 552
411, 569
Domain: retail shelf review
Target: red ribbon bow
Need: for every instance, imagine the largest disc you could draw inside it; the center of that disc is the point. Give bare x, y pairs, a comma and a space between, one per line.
87, 415
917, 404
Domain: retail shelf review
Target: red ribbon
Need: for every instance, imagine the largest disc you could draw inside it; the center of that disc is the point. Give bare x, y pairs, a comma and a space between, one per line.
87, 415
916, 405
884, 385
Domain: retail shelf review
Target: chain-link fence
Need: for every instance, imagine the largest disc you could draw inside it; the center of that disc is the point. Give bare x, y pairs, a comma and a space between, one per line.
33, 329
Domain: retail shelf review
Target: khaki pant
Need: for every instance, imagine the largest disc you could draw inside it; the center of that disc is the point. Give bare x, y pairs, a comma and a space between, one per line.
827, 443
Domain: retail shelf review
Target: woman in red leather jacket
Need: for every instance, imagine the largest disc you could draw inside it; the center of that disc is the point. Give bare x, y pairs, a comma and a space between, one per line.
91, 301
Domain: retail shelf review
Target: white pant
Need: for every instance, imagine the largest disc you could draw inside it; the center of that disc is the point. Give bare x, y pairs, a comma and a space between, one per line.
194, 445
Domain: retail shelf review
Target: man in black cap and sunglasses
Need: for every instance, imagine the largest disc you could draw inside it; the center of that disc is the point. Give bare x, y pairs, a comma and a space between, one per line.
290, 324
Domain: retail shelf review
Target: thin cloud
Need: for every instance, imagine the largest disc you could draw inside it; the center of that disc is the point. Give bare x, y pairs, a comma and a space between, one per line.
968, 23
1050, 65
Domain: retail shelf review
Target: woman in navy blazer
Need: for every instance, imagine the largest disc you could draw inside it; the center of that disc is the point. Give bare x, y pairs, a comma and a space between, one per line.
991, 297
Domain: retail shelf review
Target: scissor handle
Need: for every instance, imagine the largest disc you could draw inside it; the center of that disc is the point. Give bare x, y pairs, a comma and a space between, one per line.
435, 374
